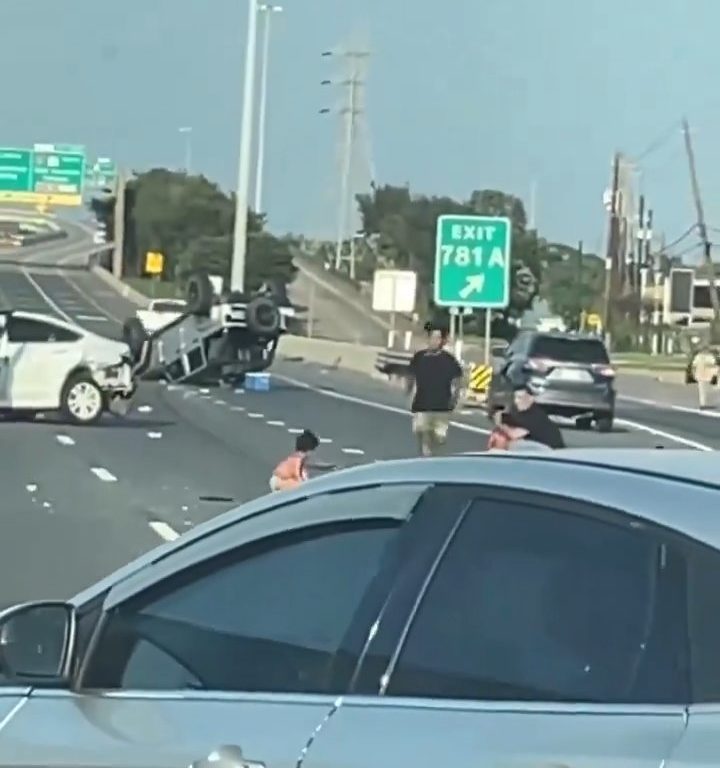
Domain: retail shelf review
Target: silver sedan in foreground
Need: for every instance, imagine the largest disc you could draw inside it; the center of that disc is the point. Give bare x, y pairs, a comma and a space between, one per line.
476, 611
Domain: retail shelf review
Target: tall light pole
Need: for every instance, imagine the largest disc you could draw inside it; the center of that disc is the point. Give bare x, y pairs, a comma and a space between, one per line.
267, 11
186, 131
237, 271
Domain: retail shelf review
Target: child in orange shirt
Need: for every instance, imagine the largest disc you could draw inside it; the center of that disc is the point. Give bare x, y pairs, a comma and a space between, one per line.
291, 472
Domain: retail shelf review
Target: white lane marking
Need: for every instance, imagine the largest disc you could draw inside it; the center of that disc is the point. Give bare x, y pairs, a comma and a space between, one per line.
91, 318
237, 408
144, 409
670, 406
102, 474
64, 439
295, 431
353, 451
665, 435
171, 387
163, 530
45, 297
31, 487
154, 435
220, 402
256, 415
90, 300
326, 440
371, 403
277, 423
204, 391
239, 391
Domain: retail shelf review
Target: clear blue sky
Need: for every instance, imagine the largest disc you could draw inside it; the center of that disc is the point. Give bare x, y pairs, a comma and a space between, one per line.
462, 94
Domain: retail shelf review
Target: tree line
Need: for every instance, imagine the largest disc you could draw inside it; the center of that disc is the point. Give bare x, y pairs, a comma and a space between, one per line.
190, 220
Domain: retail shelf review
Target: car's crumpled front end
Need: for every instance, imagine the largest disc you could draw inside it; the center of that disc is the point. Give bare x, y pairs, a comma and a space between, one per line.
113, 370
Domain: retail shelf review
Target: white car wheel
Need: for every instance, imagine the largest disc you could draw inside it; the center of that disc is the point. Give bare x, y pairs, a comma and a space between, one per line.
83, 400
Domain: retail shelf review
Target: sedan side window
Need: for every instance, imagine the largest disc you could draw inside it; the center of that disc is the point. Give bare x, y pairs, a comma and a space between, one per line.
532, 603
270, 616
24, 330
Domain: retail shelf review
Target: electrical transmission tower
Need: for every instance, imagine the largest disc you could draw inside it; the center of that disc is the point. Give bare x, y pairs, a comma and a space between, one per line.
352, 112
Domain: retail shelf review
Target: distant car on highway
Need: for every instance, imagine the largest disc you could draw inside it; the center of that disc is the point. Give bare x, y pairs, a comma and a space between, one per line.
161, 313
571, 373
47, 364
506, 609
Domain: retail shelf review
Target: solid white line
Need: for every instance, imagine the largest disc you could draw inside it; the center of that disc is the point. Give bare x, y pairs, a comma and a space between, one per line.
372, 404
670, 406
163, 530
665, 435
354, 451
102, 474
64, 439
45, 297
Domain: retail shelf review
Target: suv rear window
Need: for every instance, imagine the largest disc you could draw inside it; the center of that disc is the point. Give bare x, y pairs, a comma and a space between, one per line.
570, 350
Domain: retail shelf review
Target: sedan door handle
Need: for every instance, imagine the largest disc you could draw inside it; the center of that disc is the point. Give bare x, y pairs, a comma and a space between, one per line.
228, 756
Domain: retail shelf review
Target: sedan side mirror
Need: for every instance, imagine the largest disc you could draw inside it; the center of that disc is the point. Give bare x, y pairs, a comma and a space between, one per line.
37, 642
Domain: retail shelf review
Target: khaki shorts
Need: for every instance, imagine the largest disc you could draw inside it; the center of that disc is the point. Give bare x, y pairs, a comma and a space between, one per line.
433, 423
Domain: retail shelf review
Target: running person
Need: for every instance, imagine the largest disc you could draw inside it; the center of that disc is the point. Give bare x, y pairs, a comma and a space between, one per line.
436, 377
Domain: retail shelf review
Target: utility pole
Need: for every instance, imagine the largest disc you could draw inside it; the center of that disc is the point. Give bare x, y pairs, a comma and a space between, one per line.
267, 11
237, 271
351, 113
581, 304
613, 242
119, 225
702, 228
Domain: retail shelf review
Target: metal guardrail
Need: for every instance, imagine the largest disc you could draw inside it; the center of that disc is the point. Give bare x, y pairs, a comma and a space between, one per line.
393, 362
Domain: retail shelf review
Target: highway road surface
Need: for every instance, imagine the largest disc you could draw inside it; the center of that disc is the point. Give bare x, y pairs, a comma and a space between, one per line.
78, 502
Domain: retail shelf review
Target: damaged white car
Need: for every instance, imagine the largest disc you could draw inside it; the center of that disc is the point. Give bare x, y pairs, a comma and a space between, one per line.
47, 364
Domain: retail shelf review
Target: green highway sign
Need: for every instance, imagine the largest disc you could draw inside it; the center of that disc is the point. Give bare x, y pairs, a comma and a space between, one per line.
46, 174
472, 261
102, 173
15, 169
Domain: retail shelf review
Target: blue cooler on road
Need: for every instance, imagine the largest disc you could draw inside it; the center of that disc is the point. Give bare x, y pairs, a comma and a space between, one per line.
257, 382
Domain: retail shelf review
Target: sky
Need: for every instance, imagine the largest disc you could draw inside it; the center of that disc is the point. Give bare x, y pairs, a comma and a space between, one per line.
459, 95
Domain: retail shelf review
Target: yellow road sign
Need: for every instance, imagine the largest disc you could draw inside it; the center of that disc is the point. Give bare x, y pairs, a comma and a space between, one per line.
154, 262
480, 378
594, 320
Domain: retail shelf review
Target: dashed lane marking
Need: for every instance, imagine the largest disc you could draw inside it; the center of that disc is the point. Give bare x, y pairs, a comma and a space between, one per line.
220, 402
163, 530
276, 423
295, 431
353, 451
326, 440
256, 415
144, 409
64, 439
154, 435
103, 474
238, 408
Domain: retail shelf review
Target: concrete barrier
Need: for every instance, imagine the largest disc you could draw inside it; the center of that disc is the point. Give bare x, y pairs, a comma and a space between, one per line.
122, 288
333, 354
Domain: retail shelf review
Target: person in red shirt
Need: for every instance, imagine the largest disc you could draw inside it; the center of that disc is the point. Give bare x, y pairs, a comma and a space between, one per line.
291, 471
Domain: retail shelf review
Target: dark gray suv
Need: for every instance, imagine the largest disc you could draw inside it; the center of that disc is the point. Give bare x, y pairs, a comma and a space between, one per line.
570, 373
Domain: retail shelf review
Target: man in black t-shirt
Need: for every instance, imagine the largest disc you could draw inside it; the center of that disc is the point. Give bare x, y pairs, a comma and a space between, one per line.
437, 378
526, 413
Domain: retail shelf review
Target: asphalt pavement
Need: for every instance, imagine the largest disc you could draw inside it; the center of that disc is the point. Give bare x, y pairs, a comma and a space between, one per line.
80, 501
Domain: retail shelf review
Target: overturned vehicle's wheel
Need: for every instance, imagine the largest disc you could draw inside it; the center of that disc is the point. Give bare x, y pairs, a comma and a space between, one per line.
263, 316
199, 294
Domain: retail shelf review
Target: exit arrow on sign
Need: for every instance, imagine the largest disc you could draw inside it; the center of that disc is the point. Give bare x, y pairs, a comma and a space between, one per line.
473, 284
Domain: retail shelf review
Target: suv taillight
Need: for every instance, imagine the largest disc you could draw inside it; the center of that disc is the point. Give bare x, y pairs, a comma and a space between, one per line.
604, 370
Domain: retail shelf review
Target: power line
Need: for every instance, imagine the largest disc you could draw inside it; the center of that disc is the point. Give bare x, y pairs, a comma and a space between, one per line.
659, 142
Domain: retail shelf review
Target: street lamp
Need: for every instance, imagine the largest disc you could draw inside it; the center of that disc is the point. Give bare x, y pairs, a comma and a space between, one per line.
186, 130
267, 11
237, 272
